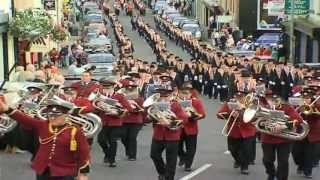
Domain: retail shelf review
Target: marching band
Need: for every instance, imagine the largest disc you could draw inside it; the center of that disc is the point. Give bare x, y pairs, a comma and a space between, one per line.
257, 101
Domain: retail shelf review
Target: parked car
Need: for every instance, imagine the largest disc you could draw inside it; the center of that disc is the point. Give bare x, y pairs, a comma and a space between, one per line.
170, 17
168, 11
268, 40
102, 61
192, 29
188, 21
93, 18
158, 6
99, 44
176, 21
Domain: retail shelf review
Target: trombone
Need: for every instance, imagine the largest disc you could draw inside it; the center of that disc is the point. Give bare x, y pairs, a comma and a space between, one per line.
308, 109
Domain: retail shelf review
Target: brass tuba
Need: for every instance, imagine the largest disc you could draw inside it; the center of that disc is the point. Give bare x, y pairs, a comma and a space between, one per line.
89, 122
161, 113
268, 120
107, 105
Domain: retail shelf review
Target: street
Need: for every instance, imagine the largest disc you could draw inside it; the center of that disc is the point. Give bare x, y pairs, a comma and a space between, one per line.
216, 165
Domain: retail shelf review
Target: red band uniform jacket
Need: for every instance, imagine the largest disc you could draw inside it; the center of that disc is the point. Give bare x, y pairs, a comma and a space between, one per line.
161, 132
191, 126
293, 114
54, 148
240, 129
314, 124
84, 90
135, 117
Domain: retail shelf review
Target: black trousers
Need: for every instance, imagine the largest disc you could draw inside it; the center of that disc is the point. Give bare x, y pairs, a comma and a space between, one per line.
129, 138
167, 169
304, 155
187, 149
46, 176
282, 151
241, 150
107, 139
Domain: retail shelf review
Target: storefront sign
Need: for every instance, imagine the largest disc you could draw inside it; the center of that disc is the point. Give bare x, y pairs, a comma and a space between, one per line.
276, 8
270, 14
301, 7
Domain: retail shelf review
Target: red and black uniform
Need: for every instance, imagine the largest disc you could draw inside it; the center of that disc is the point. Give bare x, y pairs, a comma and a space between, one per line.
85, 89
168, 140
112, 130
132, 124
305, 152
57, 155
272, 146
189, 135
240, 138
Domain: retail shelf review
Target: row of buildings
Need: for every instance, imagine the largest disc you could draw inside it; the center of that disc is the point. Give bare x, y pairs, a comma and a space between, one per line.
255, 17
10, 47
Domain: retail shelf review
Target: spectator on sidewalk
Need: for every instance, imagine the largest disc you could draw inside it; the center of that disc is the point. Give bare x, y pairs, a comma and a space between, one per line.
54, 56
15, 76
64, 56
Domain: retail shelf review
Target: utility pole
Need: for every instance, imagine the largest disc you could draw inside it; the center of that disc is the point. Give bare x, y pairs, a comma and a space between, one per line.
292, 37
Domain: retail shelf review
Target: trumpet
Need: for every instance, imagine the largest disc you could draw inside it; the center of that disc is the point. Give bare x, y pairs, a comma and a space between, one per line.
308, 109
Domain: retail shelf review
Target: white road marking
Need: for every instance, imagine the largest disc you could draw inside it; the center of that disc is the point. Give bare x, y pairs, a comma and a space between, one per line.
196, 172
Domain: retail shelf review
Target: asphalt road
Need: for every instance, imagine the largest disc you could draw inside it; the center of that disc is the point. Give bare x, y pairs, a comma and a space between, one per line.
210, 152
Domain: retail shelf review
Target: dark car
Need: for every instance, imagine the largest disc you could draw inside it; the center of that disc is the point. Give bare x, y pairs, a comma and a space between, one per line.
102, 61
101, 43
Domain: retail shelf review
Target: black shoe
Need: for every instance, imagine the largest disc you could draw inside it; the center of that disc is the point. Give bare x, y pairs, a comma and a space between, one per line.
132, 159
271, 178
181, 162
112, 164
187, 169
236, 165
161, 177
105, 159
299, 171
244, 171
308, 175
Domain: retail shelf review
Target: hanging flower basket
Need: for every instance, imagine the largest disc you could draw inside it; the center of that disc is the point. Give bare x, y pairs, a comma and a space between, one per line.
31, 24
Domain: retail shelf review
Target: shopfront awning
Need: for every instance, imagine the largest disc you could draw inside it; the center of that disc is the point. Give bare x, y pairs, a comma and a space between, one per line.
4, 19
305, 26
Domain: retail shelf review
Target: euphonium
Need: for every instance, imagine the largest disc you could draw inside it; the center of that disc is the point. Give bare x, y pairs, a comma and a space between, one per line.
89, 122
268, 120
108, 105
161, 112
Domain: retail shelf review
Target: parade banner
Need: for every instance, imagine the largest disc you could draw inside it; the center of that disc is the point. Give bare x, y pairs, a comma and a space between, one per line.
301, 7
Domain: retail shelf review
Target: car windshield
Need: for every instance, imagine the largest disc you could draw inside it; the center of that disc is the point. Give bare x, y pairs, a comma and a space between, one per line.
100, 41
191, 27
100, 58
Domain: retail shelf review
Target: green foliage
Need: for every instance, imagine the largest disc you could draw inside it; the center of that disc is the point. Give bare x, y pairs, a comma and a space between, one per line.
31, 24
59, 34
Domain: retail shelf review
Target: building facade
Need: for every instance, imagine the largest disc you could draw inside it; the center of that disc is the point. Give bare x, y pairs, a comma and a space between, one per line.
7, 45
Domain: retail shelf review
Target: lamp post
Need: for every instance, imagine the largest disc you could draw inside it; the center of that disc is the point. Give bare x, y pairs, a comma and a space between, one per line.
292, 37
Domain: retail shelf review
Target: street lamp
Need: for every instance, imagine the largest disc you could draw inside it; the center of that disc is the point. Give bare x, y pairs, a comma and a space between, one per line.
292, 37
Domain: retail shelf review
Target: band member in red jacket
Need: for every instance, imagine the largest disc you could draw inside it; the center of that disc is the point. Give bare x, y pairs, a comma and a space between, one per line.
240, 135
272, 145
304, 152
86, 86
167, 138
190, 129
132, 122
63, 149
112, 125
